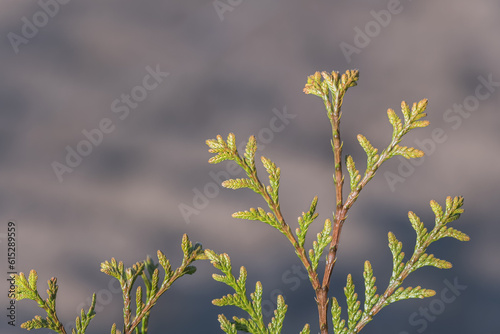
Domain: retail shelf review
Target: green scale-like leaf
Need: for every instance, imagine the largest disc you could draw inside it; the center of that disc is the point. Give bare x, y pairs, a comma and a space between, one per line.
276, 323
37, 322
430, 260
416, 113
138, 300
226, 150
397, 256
353, 172
165, 263
186, 245
324, 238
418, 226
258, 214
254, 324
352, 303
371, 298
338, 322
305, 330
250, 150
32, 280
114, 330
305, 221
371, 152
438, 211
240, 183
226, 325
452, 213
407, 152
114, 269
403, 294
274, 178
452, 233
396, 123
82, 322
26, 288
314, 85
256, 298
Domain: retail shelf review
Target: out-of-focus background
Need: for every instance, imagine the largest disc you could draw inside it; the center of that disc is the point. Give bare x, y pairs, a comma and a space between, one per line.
104, 112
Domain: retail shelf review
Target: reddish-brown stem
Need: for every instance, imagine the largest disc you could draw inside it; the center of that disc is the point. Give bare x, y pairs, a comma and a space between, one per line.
334, 114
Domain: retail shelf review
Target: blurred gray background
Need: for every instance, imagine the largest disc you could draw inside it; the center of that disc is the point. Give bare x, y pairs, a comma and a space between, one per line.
71, 67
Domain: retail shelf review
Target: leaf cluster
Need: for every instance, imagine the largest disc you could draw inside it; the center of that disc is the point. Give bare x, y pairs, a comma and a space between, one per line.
27, 289
253, 306
136, 321
412, 120
373, 303
226, 150
331, 88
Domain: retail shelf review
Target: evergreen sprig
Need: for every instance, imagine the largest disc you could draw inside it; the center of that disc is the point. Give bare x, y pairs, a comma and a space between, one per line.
83, 321
27, 289
319, 245
394, 292
260, 215
226, 150
150, 275
352, 303
147, 270
253, 306
331, 88
353, 172
371, 296
374, 160
274, 178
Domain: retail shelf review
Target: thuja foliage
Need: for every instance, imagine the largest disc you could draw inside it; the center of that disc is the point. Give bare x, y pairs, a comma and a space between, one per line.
331, 88
136, 316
